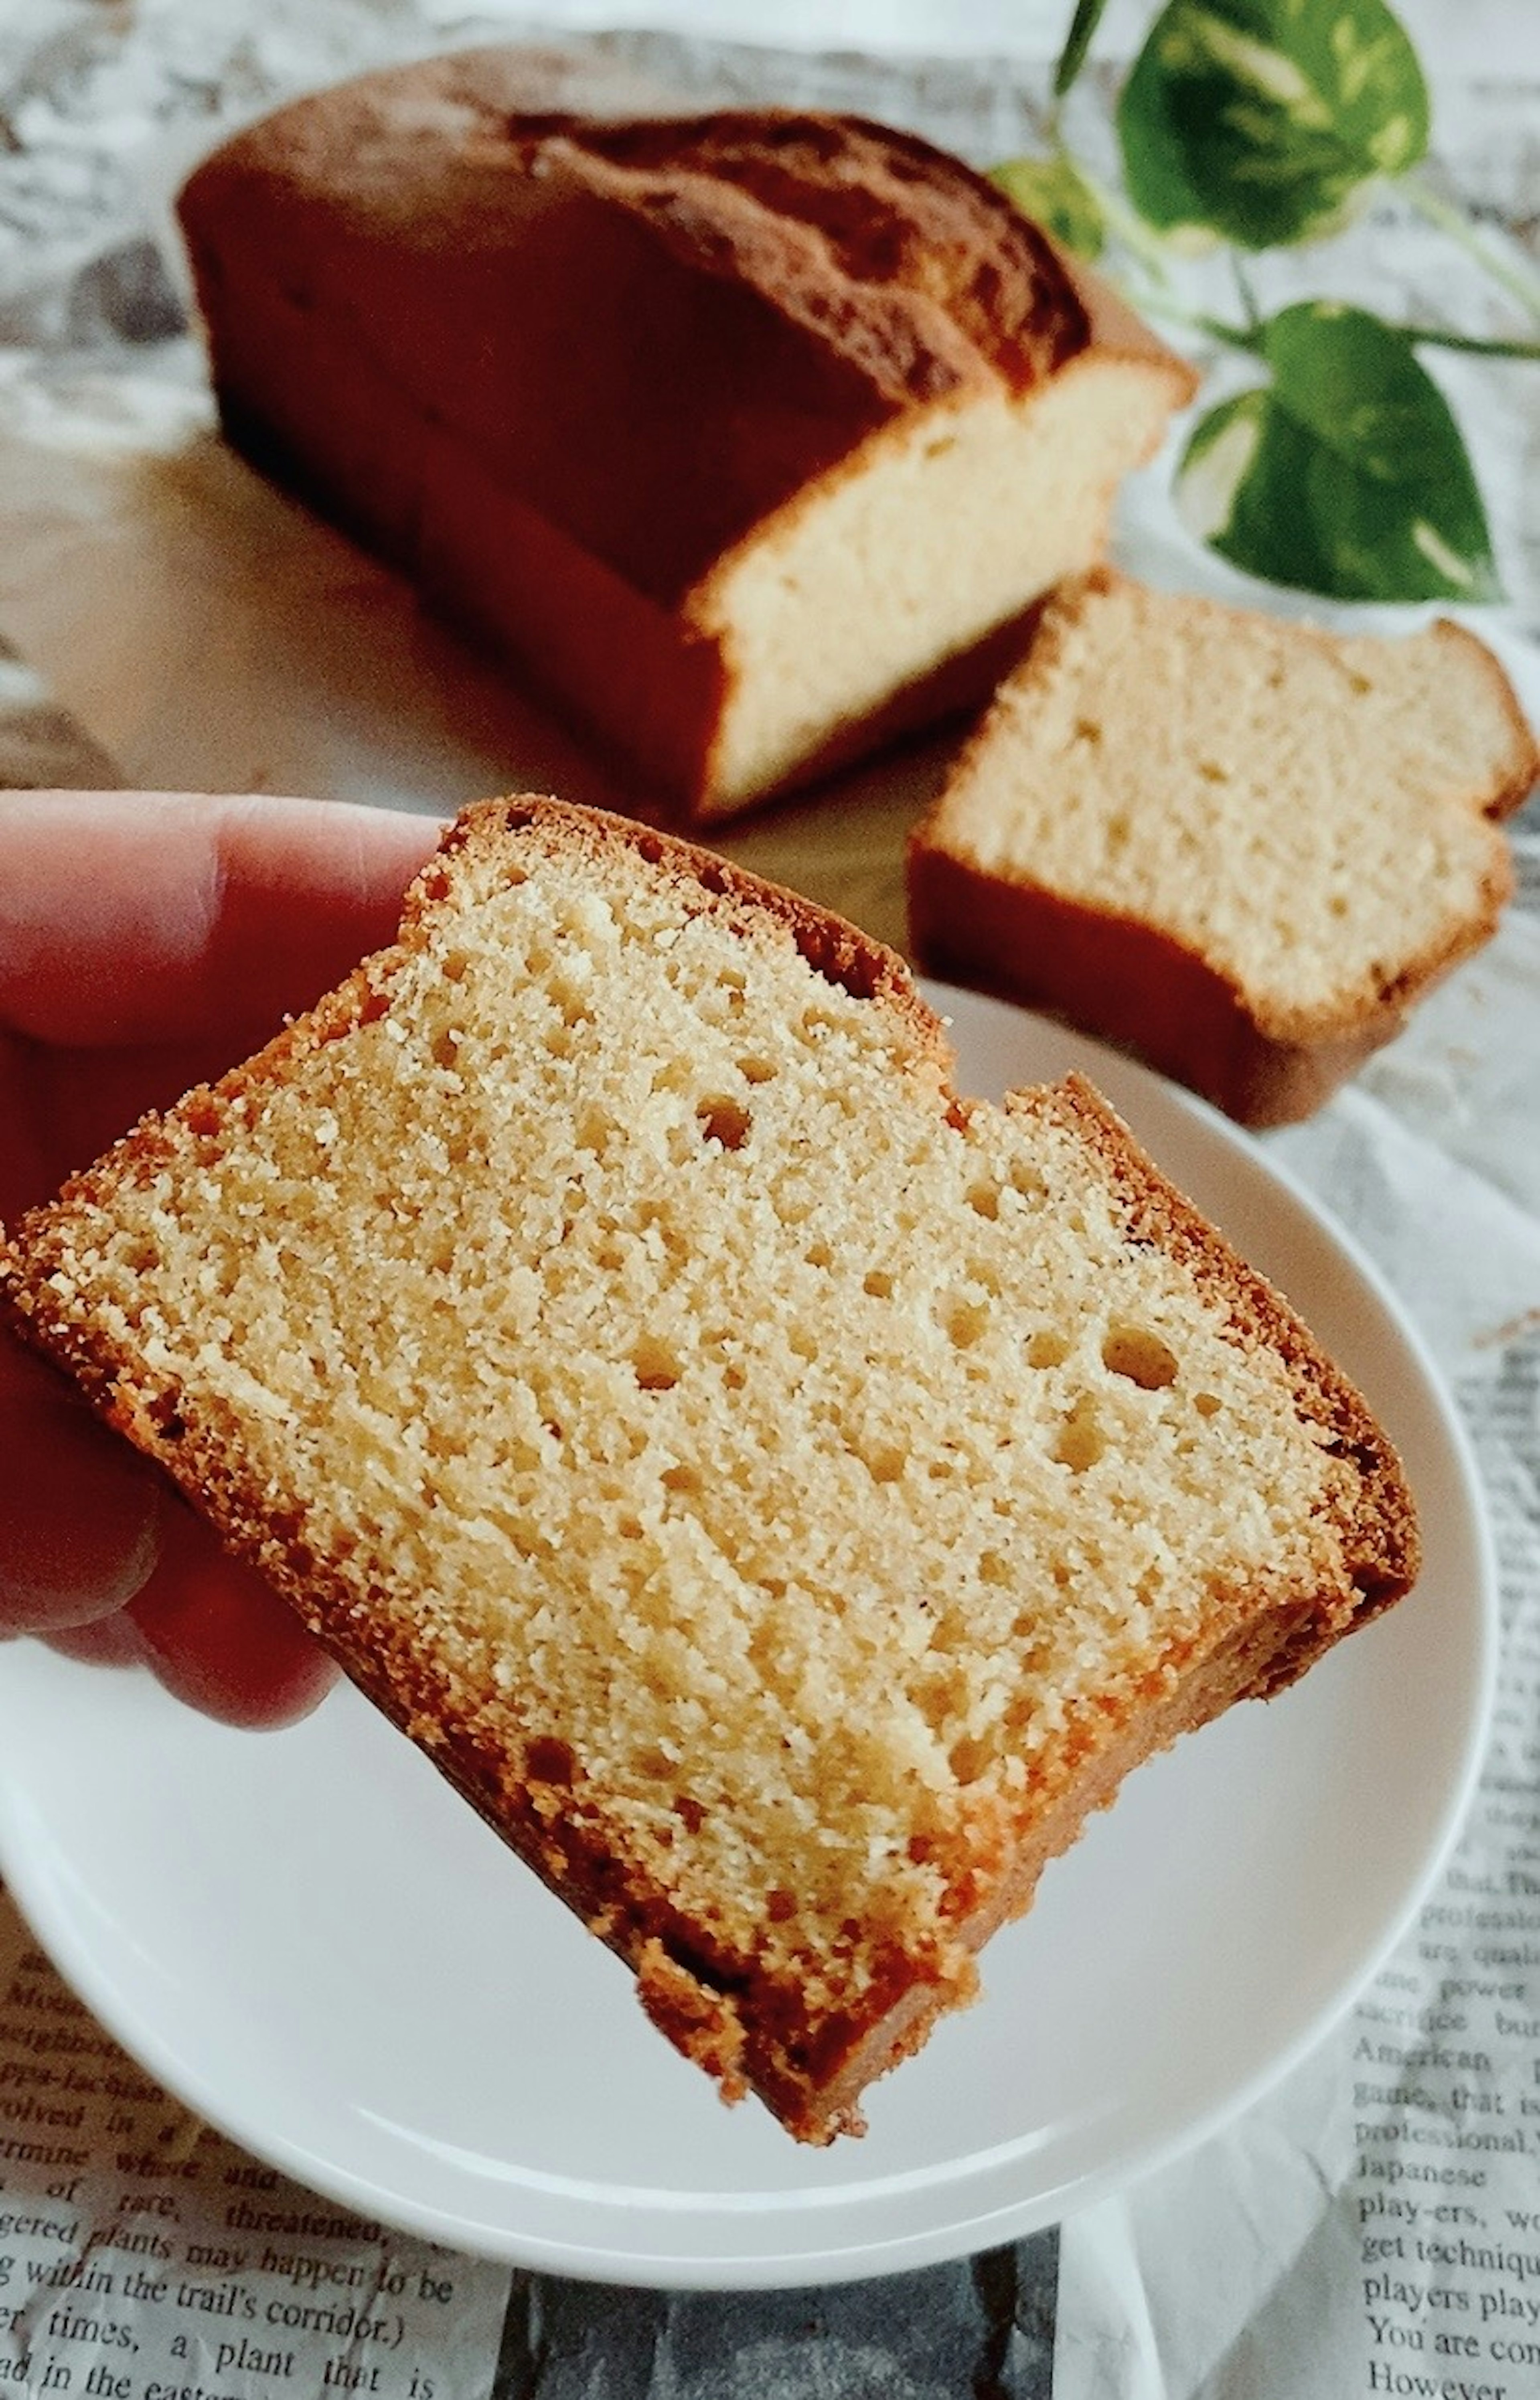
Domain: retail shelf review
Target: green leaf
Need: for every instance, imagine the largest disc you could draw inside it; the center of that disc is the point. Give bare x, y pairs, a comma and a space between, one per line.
1262, 120
1054, 193
1346, 474
1087, 16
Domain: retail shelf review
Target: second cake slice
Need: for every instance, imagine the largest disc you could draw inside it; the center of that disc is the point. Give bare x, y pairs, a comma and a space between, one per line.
1242, 846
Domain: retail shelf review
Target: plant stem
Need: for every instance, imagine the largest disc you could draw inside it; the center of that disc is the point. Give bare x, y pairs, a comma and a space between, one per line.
1160, 303
1518, 280
1471, 342
1131, 230
1250, 338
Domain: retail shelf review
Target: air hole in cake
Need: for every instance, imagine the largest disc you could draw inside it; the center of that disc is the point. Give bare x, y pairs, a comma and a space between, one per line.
167, 1418
655, 1365
885, 1465
574, 1003
993, 1569
1139, 1355
818, 1254
1048, 1347
447, 1047
456, 965
964, 1321
1208, 1404
548, 1760
1088, 732
1212, 773
1081, 1440
968, 1759
756, 1071
681, 1479
142, 1257
724, 1120
877, 1283
984, 1200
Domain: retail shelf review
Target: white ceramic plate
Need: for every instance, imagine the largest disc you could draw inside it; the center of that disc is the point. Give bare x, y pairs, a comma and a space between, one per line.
322, 1950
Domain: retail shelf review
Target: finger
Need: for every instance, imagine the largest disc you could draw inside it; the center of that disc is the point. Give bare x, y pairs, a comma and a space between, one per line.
126, 917
220, 1638
199, 926
79, 1510
111, 1642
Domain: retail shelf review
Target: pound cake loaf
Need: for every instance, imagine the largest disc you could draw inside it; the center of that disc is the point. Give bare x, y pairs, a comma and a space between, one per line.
1240, 845
783, 1497
750, 436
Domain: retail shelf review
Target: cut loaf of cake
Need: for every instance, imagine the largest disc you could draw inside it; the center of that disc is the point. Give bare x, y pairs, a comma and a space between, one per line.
751, 436
782, 1496
1242, 846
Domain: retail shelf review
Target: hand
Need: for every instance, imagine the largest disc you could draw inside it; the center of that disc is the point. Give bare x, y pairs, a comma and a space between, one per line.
148, 942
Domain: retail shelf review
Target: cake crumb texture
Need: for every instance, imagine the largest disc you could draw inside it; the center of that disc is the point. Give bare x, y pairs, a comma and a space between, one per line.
782, 1496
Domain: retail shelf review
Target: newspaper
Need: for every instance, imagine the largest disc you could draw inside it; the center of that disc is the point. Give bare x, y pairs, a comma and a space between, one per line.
1372, 2225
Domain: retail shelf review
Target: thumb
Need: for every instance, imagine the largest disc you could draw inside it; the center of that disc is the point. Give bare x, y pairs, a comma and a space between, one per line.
79, 1509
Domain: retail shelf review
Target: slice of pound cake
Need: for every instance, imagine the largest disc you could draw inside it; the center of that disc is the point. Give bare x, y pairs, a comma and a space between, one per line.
1242, 846
782, 1496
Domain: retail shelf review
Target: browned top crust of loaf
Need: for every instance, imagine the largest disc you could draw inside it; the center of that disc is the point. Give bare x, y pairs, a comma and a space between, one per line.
813, 275
778, 2019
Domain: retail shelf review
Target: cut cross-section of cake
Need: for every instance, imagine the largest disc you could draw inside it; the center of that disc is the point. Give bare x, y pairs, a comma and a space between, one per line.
783, 1495
1243, 846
